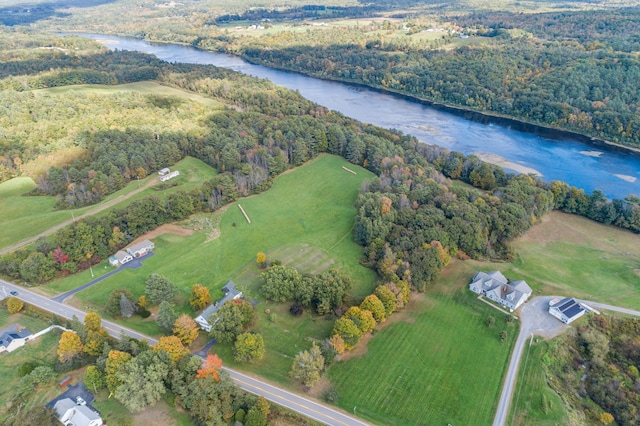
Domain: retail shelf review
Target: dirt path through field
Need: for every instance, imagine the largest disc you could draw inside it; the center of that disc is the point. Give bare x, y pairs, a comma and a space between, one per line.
91, 212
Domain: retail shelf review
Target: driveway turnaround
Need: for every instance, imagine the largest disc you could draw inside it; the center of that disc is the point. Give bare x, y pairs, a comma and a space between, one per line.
536, 320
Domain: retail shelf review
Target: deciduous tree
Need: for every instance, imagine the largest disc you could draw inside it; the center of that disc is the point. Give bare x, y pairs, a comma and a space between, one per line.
372, 304
94, 342
185, 329
92, 321
14, 305
210, 368
249, 348
115, 362
69, 347
307, 366
230, 320
143, 380
93, 378
348, 331
171, 345
200, 297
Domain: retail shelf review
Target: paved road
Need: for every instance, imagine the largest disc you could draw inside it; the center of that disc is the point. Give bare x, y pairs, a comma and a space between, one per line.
91, 212
299, 404
134, 264
535, 320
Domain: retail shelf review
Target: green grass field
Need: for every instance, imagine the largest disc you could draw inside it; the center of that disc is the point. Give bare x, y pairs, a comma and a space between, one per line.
146, 87
16, 207
534, 402
438, 356
568, 255
305, 219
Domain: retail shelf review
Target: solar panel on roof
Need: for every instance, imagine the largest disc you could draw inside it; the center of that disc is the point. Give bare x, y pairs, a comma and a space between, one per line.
575, 310
567, 305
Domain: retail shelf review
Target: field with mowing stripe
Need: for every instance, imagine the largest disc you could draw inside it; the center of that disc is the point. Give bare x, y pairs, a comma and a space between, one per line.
437, 357
305, 220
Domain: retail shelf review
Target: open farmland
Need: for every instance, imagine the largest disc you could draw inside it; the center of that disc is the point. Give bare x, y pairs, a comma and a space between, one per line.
437, 356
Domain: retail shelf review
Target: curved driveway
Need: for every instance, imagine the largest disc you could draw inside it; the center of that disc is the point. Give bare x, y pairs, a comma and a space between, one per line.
312, 409
535, 320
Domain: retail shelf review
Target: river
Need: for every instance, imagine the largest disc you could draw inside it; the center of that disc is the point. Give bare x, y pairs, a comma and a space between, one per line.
583, 165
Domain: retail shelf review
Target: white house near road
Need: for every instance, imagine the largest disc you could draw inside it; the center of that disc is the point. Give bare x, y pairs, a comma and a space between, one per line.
230, 293
12, 340
120, 258
566, 310
496, 287
140, 249
71, 414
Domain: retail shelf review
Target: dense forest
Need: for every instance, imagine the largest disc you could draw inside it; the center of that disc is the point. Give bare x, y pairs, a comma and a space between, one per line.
596, 368
410, 216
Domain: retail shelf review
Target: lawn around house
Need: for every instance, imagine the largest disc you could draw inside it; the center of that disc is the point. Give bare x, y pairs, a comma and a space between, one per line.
439, 355
309, 210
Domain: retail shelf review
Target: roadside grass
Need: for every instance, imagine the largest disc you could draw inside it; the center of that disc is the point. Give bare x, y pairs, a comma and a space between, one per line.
568, 255
438, 355
534, 402
146, 87
161, 413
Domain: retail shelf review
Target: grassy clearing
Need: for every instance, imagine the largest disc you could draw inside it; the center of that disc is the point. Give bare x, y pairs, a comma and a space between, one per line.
534, 402
568, 255
437, 356
305, 219
146, 87
16, 206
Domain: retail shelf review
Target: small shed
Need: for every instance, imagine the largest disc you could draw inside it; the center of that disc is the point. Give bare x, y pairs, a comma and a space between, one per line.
64, 382
164, 171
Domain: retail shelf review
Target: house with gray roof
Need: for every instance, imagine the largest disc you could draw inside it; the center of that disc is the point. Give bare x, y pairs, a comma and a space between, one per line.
230, 293
566, 310
72, 414
120, 258
496, 287
140, 249
11, 339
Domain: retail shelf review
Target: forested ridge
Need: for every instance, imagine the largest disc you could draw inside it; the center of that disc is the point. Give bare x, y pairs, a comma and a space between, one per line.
410, 218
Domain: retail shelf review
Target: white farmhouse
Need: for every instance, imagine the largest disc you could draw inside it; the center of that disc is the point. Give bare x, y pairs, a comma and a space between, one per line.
496, 287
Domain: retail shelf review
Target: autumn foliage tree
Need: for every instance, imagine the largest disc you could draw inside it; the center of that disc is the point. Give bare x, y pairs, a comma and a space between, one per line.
200, 297
372, 304
69, 347
92, 321
249, 347
261, 259
114, 363
307, 366
173, 346
185, 329
210, 368
14, 305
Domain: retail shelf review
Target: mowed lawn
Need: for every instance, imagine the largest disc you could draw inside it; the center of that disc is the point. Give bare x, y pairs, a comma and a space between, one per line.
569, 255
534, 402
311, 206
438, 363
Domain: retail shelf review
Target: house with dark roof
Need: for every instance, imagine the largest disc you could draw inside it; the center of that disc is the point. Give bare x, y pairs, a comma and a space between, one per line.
71, 413
230, 293
496, 287
566, 310
13, 339
140, 249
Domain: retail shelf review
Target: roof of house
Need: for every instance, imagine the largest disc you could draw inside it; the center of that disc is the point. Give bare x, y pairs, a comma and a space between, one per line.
569, 307
493, 275
82, 415
231, 292
7, 337
121, 255
140, 246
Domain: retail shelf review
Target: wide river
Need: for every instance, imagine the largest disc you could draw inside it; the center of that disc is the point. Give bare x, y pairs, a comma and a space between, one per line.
582, 165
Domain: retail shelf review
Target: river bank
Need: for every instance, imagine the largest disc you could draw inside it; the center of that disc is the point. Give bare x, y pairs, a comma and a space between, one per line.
482, 117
